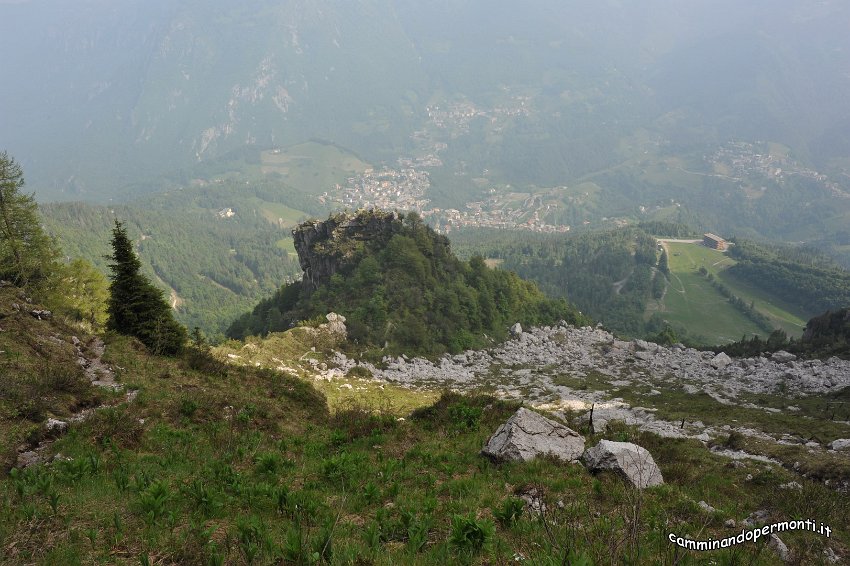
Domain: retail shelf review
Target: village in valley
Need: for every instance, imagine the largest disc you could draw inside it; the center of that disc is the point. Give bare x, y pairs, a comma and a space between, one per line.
742, 160
405, 187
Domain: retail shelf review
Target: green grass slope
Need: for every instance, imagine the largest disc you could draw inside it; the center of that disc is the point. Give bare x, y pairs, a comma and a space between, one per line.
692, 302
223, 464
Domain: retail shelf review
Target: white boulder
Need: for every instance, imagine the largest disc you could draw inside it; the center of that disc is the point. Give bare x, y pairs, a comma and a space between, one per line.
527, 435
629, 460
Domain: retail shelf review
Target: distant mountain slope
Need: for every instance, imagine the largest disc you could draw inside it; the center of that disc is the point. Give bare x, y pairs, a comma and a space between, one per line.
102, 98
149, 87
708, 297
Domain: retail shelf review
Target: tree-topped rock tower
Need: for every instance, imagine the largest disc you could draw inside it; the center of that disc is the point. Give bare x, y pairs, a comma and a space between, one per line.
326, 247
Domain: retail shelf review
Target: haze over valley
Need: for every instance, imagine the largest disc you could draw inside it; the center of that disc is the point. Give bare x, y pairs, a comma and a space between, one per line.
367, 282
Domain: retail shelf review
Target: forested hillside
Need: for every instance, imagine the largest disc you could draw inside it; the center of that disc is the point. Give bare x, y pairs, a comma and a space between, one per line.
211, 266
620, 278
801, 276
609, 275
403, 288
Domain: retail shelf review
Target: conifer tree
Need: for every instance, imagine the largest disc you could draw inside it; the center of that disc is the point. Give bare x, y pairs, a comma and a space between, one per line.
663, 266
27, 254
136, 307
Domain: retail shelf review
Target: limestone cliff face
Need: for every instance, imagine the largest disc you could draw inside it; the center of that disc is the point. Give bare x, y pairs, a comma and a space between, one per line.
327, 246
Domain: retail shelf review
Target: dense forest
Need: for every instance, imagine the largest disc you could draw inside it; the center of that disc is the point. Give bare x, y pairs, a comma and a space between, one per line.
413, 295
609, 275
800, 276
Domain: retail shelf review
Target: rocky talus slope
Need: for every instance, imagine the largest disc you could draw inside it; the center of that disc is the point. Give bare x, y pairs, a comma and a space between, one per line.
675, 392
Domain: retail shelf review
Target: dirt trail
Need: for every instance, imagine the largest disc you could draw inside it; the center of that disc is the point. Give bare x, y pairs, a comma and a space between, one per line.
100, 375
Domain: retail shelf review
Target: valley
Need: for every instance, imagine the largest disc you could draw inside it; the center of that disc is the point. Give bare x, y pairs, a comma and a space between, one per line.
350, 283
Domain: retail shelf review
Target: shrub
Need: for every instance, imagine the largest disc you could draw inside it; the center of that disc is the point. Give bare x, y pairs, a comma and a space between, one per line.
201, 497
359, 371
509, 512
153, 500
342, 469
302, 393
464, 417
358, 422
188, 407
268, 463
200, 360
735, 440
252, 537
458, 412
470, 534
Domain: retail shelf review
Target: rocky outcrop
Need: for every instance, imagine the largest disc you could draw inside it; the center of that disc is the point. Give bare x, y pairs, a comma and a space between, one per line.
629, 460
336, 325
527, 435
326, 247
334, 328
575, 351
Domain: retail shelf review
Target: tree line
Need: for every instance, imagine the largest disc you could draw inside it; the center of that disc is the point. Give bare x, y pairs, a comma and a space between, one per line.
218, 267
609, 275
800, 276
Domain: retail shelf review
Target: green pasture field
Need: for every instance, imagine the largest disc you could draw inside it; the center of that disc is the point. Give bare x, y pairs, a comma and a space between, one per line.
312, 167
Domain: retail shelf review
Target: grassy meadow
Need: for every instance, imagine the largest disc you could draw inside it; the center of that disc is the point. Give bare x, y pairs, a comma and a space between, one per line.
215, 463
692, 302
311, 167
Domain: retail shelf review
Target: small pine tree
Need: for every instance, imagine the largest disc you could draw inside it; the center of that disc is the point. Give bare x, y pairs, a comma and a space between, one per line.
662, 263
136, 307
27, 254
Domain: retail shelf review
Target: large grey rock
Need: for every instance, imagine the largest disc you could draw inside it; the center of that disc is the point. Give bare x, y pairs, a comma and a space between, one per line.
780, 548
336, 324
516, 330
527, 435
840, 444
720, 361
783, 357
630, 460
645, 356
643, 345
